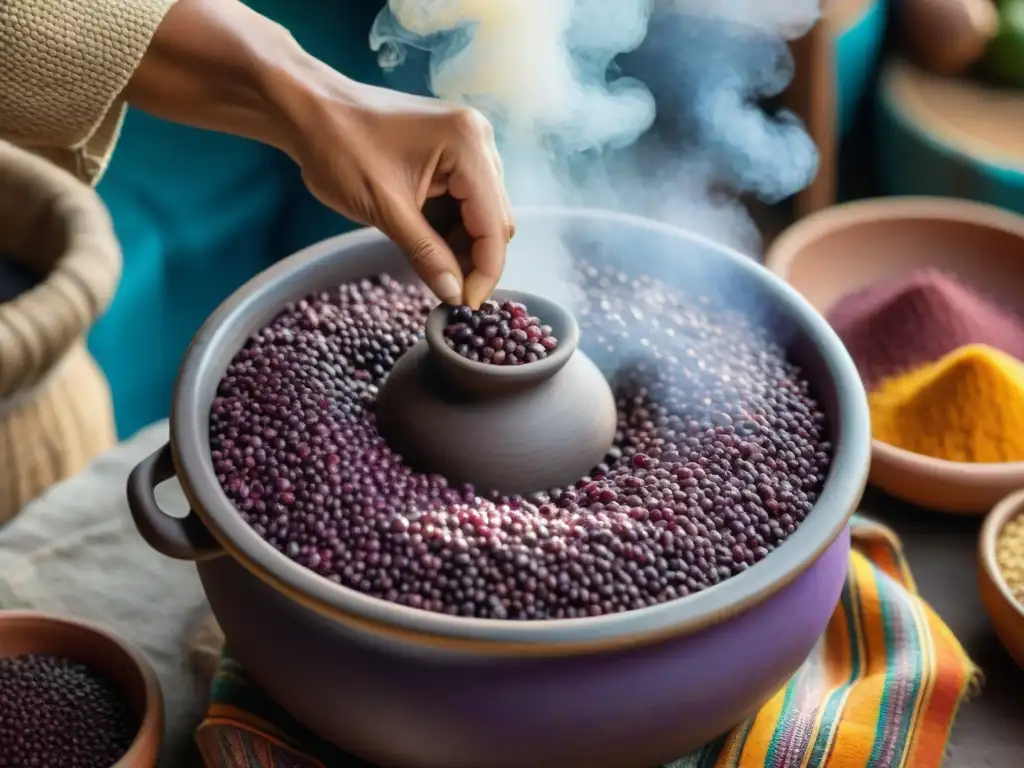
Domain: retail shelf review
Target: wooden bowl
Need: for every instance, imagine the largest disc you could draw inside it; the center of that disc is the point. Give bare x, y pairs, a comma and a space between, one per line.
1006, 613
842, 249
124, 666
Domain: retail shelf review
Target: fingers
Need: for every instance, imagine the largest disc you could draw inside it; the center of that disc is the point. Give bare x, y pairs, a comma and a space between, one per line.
426, 251
500, 168
509, 219
476, 183
487, 224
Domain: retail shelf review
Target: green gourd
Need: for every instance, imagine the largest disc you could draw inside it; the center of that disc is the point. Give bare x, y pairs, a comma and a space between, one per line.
1004, 60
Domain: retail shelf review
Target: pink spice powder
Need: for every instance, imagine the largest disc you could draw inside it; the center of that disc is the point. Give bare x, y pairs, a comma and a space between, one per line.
918, 318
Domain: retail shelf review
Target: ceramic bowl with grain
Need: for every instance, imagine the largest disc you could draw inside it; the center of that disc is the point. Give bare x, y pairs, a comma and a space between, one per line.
1005, 612
125, 667
843, 249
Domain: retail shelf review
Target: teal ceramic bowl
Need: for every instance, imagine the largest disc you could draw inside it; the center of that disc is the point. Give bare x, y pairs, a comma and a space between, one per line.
949, 137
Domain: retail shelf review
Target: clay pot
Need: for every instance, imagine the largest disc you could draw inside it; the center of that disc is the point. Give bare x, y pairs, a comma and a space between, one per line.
514, 407
55, 408
126, 667
404, 687
948, 36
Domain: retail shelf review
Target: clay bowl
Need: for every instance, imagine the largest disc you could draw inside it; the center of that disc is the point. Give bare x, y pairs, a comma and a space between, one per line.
404, 687
1007, 614
124, 666
840, 250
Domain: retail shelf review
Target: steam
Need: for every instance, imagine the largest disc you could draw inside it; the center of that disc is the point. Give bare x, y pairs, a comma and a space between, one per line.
573, 88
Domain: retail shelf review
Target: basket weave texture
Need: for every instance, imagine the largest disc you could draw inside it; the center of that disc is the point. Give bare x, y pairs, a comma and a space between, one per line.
55, 408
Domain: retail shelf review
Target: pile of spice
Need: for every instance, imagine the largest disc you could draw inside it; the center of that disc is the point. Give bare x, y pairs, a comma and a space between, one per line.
896, 325
1010, 556
968, 406
721, 452
56, 712
941, 362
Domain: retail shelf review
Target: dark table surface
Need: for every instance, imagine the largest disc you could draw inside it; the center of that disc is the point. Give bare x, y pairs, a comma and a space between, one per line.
942, 551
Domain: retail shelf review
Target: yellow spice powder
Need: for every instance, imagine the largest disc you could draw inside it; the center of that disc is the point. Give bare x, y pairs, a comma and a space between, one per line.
1010, 556
968, 406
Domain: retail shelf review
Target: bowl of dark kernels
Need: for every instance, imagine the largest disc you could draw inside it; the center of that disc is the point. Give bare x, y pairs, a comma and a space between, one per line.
621, 617
75, 696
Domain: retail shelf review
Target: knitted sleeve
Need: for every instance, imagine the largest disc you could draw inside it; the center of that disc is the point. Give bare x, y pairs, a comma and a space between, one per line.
63, 66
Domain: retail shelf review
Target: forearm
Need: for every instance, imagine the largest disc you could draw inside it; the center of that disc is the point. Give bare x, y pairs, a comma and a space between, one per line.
219, 65
68, 66
371, 154
207, 67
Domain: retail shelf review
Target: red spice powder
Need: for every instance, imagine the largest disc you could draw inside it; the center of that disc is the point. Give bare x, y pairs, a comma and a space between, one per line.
918, 318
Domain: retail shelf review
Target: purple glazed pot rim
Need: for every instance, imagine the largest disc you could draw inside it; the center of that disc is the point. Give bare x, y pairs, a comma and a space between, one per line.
212, 348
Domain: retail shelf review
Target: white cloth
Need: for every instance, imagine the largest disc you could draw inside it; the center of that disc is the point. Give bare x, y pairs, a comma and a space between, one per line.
76, 552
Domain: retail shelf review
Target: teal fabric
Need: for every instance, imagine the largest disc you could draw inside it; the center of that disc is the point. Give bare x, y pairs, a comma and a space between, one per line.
857, 52
199, 213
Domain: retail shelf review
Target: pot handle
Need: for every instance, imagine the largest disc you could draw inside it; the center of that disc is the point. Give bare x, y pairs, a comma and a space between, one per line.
180, 538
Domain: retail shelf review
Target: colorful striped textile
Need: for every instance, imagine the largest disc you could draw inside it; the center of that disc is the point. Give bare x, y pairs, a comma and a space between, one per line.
880, 690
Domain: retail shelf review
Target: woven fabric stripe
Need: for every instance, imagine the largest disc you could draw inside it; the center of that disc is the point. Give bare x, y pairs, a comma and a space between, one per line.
879, 690
844, 638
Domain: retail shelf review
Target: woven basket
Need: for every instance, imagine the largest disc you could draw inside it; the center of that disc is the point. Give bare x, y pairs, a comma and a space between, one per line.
55, 407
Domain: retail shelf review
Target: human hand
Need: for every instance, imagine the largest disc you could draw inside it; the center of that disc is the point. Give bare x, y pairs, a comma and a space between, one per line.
372, 154
377, 155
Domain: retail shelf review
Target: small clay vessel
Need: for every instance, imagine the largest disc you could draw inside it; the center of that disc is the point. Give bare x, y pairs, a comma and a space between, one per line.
948, 36
1004, 610
123, 665
512, 429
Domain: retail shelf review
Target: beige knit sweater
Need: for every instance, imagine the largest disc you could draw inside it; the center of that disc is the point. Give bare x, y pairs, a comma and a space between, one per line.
63, 66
